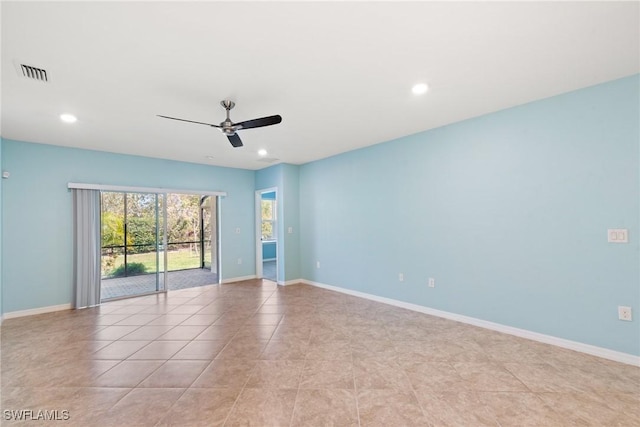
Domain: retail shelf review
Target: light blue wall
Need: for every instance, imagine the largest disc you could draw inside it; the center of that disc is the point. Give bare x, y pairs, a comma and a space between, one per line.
290, 199
37, 213
508, 212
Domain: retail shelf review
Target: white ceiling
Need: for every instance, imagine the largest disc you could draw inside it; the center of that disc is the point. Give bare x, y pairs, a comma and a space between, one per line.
339, 73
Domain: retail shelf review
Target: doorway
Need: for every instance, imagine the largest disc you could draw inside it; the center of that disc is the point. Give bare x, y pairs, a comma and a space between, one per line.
267, 234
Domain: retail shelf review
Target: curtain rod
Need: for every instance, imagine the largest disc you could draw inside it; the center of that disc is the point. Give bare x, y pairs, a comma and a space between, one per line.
125, 189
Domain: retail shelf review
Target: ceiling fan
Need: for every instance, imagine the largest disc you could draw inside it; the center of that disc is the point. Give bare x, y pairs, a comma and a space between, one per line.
229, 128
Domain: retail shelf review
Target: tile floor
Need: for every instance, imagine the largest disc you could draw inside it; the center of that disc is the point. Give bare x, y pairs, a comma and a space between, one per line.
252, 353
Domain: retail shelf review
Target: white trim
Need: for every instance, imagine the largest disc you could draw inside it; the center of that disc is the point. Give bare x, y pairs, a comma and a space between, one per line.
269, 259
605, 353
238, 279
33, 311
292, 282
126, 189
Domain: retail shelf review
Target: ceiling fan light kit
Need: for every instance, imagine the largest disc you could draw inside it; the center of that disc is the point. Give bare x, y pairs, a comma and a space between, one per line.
229, 128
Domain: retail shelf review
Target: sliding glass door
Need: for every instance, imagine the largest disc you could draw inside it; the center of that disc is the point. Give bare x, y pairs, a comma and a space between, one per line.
133, 244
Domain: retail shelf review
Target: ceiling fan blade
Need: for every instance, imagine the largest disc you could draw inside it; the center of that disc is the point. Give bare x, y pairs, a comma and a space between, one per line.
235, 140
263, 121
190, 121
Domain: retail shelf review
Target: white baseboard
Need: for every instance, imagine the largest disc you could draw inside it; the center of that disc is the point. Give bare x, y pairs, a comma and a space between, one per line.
40, 310
291, 282
605, 353
238, 279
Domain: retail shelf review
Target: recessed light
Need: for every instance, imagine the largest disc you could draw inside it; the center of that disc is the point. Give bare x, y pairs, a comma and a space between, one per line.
68, 118
209, 157
262, 152
419, 88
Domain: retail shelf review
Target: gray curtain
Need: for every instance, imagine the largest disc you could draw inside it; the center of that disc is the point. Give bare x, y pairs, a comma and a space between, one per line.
86, 247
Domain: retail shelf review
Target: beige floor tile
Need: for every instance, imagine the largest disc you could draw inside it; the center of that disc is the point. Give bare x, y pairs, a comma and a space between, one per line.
542, 377
279, 374
242, 348
438, 376
373, 349
488, 377
130, 309
225, 373
184, 333
218, 332
175, 374
327, 374
329, 350
138, 319
583, 409
112, 333
229, 318
380, 374
263, 407
285, 350
389, 408
333, 407
141, 407
227, 350
128, 373
520, 410
201, 320
201, 408
591, 375
186, 309
259, 332
110, 319
169, 319
158, 350
264, 319
147, 333
119, 349
200, 350
455, 408
292, 332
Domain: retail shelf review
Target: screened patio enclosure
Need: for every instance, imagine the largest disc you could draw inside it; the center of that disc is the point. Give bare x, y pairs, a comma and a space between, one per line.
153, 242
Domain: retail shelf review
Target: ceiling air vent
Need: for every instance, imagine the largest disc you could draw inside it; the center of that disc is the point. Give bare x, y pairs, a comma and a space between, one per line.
34, 73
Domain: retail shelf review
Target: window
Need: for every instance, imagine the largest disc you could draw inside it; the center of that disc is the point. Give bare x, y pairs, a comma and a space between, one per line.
268, 219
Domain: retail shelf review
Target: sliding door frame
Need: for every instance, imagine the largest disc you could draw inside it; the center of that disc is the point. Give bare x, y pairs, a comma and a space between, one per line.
162, 191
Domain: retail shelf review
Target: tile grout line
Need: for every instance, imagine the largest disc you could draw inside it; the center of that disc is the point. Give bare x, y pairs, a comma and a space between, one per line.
235, 402
355, 386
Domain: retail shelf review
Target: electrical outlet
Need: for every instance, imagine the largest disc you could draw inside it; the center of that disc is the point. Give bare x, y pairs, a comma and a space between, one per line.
317, 264
290, 230
618, 235
432, 282
624, 313
401, 277
239, 261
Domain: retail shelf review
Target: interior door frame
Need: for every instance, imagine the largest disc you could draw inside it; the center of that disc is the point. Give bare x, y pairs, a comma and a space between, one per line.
258, 228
